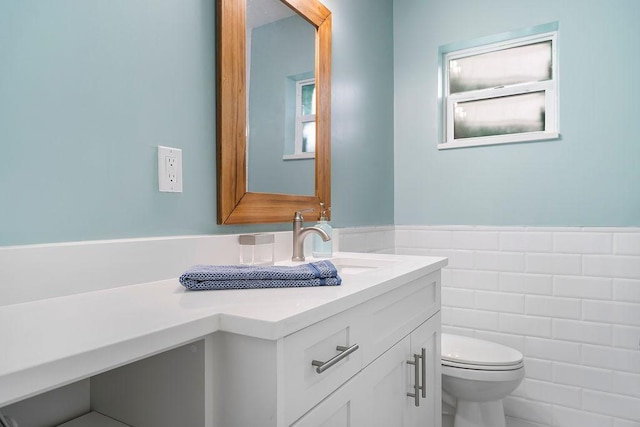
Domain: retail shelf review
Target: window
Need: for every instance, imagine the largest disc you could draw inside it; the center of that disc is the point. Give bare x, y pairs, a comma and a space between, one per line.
305, 133
500, 92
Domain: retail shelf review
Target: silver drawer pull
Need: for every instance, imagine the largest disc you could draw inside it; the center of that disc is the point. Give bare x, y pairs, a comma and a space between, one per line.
345, 351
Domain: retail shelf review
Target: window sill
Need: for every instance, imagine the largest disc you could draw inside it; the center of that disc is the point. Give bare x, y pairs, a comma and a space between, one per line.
502, 139
301, 156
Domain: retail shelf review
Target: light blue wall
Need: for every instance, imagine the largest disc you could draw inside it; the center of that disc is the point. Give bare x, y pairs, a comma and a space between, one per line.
362, 112
89, 88
591, 177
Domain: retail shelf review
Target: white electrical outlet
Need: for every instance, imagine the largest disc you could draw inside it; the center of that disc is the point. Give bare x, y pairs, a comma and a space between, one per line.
169, 169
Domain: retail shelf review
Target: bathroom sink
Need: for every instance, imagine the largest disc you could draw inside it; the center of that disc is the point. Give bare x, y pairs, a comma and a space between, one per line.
350, 266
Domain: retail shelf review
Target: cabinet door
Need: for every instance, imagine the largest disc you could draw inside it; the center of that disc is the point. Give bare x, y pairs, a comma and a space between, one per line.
429, 411
376, 397
385, 387
343, 408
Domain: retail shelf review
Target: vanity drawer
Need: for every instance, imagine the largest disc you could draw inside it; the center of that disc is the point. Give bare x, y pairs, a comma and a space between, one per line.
304, 387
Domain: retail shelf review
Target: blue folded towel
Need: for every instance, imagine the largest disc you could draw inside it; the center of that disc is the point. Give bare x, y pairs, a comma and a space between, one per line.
206, 277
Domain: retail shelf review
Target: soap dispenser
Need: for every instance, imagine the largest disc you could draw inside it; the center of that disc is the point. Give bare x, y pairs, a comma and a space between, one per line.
322, 249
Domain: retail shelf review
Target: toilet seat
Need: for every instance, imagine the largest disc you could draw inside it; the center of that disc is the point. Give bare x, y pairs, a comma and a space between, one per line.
482, 367
484, 375
471, 353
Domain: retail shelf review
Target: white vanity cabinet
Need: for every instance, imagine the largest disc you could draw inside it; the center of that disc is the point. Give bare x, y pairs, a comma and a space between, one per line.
156, 355
378, 396
275, 383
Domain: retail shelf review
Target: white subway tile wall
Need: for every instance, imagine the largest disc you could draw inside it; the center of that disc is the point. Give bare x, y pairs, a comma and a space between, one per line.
567, 297
375, 239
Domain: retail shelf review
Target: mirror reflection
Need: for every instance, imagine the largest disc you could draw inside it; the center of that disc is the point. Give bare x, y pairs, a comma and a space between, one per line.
281, 100
237, 205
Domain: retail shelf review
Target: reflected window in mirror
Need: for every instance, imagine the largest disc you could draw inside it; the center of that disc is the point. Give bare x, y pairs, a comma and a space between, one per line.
300, 137
306, 117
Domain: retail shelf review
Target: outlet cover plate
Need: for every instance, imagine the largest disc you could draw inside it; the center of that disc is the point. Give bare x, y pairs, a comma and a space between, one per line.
169, 169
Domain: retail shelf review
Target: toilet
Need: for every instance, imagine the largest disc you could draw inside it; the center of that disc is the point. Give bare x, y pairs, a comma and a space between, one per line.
478, 374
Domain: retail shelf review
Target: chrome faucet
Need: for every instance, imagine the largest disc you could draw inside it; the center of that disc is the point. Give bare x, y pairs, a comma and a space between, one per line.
300, 232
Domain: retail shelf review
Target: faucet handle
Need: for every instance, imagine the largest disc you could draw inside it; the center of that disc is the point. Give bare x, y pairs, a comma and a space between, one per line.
298, 215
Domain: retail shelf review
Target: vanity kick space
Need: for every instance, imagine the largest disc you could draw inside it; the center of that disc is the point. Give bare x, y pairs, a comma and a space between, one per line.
157, 355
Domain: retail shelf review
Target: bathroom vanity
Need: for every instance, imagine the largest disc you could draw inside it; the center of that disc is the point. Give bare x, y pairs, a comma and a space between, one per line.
365, 353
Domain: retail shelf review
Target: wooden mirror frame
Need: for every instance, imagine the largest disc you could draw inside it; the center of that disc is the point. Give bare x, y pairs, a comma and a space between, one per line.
235, 204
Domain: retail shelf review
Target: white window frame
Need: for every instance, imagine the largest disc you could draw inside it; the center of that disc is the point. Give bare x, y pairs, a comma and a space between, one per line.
300, 121
549, 87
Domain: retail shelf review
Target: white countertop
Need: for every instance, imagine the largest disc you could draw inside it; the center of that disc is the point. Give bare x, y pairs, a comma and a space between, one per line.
49, 343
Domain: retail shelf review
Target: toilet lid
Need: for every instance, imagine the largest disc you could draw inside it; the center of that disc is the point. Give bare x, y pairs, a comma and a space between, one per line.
472, 351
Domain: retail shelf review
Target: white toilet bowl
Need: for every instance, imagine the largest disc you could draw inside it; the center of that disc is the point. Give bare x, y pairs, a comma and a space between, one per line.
479, 374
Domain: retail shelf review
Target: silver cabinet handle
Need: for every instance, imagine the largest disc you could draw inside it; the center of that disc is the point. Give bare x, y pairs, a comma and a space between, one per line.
344, 352
417, 377
424, 372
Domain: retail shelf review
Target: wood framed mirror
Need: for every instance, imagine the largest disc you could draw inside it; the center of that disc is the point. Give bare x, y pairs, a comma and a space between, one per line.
236, 205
